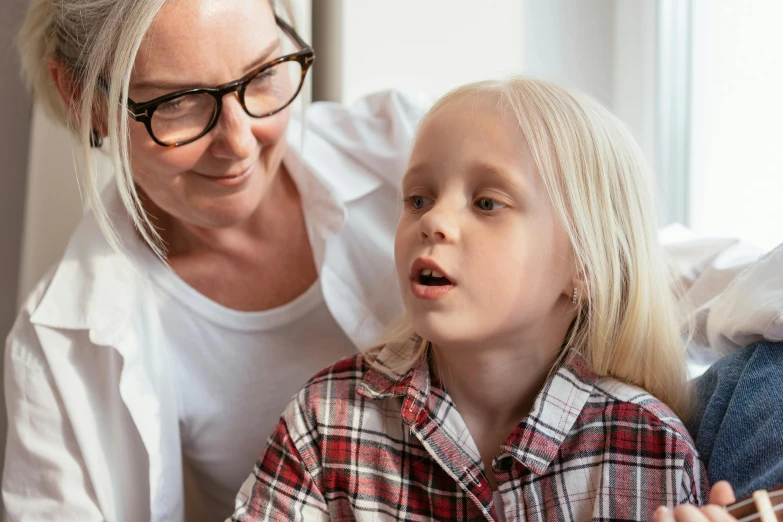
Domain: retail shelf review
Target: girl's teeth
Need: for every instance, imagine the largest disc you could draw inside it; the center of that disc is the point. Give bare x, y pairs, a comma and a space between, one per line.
426, 272
435, 273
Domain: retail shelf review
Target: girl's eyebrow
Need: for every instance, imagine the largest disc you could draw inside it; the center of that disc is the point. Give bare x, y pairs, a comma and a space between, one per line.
490, 172
484, 171
414, 172
179, 86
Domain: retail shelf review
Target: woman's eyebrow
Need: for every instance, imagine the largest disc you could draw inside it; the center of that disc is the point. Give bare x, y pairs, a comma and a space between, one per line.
264, 56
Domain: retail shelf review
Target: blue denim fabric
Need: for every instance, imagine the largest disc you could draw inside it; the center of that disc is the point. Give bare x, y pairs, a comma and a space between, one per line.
738, 427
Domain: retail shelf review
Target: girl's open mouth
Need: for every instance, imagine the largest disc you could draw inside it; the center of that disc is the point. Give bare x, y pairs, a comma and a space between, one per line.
429, 277
429, 281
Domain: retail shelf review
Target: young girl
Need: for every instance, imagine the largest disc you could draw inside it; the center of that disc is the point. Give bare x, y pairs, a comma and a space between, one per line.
540, 374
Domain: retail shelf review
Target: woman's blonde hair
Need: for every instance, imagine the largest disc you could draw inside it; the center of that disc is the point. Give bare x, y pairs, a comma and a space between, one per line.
628, 324
97, 41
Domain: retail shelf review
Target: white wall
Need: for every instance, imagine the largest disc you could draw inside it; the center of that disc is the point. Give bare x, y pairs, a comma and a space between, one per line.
53, 206
634, 71
572, 43
606, 48
15, 107
428, 46
737, 110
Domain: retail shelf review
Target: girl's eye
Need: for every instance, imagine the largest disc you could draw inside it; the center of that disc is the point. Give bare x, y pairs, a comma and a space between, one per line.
418, 202
489, 204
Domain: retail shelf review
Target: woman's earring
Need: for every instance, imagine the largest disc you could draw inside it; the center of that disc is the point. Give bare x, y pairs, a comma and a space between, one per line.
573, 299
95, 139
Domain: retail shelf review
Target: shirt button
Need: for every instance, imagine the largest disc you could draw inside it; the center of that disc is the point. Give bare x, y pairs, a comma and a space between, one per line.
505, 464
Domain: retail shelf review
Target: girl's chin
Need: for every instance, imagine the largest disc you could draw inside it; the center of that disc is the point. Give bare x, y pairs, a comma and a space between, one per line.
441, 333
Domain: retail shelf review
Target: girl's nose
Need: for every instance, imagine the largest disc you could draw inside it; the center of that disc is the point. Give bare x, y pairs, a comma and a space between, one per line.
439, 225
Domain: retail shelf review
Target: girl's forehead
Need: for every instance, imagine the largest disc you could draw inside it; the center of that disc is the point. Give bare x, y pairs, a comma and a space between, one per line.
473, 136
479, 112
476, 121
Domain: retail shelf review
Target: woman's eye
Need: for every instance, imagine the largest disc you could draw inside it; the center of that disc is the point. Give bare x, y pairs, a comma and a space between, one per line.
182, 106
418, 202
263, 78
171, 106
489, 204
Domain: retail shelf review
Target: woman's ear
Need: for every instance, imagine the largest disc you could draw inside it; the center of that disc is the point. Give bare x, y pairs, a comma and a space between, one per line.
70, 92
66, 86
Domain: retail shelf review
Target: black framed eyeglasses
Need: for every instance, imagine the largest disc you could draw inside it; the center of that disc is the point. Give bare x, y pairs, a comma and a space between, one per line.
181, 117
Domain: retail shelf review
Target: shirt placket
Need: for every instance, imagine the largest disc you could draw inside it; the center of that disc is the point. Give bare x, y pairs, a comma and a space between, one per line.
468, 475
508, 475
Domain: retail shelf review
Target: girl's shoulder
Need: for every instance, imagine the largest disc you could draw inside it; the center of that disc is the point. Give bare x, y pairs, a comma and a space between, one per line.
329, 394
346, 388
335, 383
331, 382
634, 406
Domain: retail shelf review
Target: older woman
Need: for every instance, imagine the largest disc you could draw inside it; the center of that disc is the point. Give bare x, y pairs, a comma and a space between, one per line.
234, 255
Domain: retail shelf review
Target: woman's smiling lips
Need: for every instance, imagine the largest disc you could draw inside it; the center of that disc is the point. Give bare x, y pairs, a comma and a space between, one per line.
230, 180
428, 280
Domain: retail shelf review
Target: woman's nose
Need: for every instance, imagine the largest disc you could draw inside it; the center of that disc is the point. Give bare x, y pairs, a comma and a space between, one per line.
234, 135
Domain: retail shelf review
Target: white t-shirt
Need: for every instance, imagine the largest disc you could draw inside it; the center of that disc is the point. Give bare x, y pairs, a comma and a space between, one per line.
254, 362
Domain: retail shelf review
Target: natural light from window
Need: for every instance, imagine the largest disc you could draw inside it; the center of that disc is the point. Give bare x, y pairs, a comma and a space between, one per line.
736, 168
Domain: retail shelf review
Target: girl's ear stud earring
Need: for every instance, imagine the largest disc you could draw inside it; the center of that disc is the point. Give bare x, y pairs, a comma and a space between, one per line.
573, 299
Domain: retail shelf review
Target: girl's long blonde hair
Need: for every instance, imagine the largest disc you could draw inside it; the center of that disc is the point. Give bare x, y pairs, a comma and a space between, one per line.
629, 325
96, 40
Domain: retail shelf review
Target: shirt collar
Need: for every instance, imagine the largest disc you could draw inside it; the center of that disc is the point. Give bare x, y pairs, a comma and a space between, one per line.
91, 287
383, 380
537, 438
327, 166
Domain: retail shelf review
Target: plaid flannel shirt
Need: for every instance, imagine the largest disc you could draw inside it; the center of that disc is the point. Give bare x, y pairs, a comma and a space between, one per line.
360, 442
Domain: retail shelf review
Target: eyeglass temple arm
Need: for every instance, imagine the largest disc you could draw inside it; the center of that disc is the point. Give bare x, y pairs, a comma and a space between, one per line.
131, 104
292, 33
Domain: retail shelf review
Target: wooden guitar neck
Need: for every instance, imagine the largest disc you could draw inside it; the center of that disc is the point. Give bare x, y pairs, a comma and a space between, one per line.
756, 508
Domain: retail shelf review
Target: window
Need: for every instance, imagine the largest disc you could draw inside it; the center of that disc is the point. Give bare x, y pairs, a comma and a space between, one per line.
736, 115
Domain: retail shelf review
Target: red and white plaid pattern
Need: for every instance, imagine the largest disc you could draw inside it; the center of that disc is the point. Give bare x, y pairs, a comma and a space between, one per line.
360, 442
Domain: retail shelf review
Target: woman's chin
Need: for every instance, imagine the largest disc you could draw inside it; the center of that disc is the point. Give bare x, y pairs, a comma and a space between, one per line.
226, 218
227, 210
223, 213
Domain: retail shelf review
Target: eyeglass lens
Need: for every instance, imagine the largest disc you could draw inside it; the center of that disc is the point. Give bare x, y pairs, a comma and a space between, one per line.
189, 115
